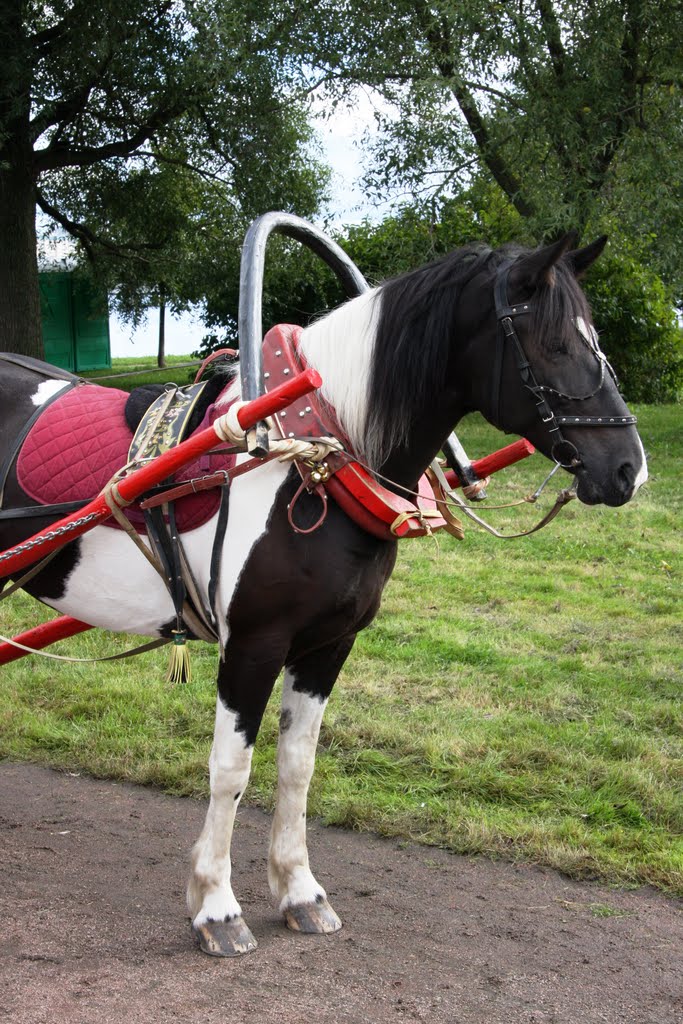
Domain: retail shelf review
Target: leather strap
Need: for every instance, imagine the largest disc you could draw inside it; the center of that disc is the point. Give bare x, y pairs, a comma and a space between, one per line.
39, 511
38, 366
596, 421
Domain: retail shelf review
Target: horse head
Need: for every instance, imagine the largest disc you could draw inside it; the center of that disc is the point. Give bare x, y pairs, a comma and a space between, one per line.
550, 380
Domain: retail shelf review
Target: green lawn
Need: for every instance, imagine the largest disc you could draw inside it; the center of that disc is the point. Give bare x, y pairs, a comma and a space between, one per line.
518, 699
146, 372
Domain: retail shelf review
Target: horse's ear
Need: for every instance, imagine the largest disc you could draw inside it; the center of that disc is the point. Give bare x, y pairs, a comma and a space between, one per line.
580, 259
536, 268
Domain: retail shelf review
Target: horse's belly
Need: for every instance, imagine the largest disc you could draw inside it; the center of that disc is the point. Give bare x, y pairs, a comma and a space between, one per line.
114, 587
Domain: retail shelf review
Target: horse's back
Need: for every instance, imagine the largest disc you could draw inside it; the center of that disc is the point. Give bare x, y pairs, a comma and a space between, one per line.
26, 384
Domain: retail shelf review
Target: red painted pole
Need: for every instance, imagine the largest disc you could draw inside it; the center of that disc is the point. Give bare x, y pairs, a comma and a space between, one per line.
491, 464
159, 469
42, 636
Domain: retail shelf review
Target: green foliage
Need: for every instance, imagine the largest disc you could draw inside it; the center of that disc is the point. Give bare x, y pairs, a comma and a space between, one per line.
152, 133
572, 109
640, 333
632, 308
298, 286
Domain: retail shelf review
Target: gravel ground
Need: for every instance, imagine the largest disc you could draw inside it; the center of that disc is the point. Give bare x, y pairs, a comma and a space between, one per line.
94, 928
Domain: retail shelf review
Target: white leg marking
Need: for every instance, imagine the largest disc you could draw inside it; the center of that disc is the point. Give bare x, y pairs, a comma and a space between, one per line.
209, 893
289, 875
46, 389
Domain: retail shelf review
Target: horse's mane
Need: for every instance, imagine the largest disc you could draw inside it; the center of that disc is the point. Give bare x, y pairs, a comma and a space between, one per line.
412, 343
415, 334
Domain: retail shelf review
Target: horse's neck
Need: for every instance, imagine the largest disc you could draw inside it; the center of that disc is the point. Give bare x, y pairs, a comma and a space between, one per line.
340, 347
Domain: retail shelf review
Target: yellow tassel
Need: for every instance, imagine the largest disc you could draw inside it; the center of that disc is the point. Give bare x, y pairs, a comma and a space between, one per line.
179, 670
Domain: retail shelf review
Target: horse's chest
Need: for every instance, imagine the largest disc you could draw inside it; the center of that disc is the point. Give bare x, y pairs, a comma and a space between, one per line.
326, 583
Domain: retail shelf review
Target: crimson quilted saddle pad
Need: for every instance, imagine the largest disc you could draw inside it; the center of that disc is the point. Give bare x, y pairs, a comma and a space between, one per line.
79, 442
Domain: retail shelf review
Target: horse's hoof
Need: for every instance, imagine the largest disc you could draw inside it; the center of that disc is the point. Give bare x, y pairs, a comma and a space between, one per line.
312, 918
225, 938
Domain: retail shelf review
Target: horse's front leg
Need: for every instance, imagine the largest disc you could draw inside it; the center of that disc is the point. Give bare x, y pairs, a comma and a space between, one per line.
245, 682
308, 684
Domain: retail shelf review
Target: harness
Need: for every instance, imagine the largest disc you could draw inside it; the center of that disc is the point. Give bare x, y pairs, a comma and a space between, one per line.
309, 433
373, 507
563, 451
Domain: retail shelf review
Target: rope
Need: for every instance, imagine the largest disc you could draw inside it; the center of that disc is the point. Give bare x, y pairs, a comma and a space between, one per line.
90, 661
289, 449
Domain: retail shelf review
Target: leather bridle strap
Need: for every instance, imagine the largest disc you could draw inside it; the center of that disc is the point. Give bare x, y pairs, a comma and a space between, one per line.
507, 335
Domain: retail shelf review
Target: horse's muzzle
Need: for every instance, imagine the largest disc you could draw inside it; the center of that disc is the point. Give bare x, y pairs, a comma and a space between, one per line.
618, 487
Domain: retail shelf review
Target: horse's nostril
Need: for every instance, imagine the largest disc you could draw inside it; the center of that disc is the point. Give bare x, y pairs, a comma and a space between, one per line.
626, 475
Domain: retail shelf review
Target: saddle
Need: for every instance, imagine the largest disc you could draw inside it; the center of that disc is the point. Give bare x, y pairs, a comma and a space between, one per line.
82, 439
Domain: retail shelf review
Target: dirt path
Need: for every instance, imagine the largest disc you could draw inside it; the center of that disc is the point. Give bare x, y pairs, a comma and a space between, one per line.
94, 929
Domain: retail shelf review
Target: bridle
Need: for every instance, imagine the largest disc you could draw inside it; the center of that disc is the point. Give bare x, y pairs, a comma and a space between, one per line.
563, 452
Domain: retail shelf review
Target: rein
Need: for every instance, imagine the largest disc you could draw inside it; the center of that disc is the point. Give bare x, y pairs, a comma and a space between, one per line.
563, 498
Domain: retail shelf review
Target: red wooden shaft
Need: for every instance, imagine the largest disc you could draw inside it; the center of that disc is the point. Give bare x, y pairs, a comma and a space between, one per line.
497, 460
42, 636
159, 469
279, 398
166, 464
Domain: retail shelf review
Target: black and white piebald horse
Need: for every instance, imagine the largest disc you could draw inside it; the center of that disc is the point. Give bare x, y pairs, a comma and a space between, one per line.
505, 332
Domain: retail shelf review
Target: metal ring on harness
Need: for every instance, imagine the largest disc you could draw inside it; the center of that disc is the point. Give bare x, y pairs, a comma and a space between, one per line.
572, 459
322, 494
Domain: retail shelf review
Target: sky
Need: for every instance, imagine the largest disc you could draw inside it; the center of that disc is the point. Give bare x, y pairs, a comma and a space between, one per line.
339, 137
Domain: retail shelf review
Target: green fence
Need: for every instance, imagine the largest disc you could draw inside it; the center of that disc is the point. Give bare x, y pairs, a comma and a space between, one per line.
75, 322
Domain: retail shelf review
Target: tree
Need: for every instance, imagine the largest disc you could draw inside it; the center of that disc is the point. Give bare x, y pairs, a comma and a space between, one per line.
572, 107
195, 223
97, 94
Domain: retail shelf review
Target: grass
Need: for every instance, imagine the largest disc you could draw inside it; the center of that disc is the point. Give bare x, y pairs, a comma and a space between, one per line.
175, 371
518, 699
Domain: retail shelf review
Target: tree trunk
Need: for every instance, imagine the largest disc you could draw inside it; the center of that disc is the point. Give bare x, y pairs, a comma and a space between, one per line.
20, 320
161, 355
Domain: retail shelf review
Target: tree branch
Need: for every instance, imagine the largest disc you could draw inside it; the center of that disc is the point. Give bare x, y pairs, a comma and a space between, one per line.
57, 155
45, 38
553, 36
89, 240
64, 110
489, 150
629, 54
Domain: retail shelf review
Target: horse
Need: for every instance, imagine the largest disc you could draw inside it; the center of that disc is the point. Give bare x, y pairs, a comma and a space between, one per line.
401, 364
